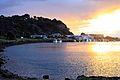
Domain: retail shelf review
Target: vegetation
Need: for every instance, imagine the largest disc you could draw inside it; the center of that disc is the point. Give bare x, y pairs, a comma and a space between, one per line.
16, 26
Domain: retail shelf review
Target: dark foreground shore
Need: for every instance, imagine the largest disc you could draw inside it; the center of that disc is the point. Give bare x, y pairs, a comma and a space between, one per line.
7, 75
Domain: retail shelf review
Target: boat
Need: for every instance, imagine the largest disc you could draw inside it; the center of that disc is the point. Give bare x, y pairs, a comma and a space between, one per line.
57, 41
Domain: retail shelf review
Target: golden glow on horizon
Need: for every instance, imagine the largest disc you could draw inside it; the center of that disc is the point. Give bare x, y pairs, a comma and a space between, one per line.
107, 23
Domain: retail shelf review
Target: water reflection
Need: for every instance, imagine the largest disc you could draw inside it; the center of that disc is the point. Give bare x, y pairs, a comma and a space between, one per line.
106, 59
104, 66
105, 47
65, 60
99, 59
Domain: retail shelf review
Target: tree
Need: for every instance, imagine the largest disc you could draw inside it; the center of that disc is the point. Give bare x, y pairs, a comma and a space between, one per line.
17, 26
82, 33
11, 36
27, 16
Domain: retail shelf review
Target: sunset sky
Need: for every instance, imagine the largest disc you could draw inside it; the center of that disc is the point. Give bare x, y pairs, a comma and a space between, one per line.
89, 16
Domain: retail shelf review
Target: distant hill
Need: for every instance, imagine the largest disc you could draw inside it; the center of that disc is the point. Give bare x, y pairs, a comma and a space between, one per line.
25, 25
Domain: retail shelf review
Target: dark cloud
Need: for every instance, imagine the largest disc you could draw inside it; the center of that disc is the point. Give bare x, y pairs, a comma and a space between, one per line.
7, 3
77, 8
10, 3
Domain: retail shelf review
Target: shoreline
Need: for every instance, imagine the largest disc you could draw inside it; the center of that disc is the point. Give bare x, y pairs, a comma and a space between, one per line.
7, 75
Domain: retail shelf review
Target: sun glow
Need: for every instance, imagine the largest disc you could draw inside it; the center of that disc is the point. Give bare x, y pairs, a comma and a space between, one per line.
105, 48
102, 48
107, 23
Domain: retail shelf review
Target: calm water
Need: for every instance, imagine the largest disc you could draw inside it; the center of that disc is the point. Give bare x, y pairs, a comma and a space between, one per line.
65, 59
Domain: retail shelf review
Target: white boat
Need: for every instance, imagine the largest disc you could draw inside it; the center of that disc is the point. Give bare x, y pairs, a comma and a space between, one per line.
57, 41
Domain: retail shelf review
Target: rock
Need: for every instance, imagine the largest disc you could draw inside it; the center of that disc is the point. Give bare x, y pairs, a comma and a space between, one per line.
32, 79
67, 79
2, 61
6, 74
1, 50
46, 77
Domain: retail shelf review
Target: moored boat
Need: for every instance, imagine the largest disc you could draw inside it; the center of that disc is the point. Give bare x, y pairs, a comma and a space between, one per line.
57, 41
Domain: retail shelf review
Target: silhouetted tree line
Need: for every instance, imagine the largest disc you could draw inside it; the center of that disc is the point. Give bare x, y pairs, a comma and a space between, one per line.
17, 26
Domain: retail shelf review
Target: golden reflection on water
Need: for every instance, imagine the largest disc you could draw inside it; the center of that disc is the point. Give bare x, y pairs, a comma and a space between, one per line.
106, 59
97, 59
106, 47
104, 66
66, 59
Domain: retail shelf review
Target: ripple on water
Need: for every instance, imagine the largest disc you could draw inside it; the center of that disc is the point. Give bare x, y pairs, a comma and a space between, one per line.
62, 60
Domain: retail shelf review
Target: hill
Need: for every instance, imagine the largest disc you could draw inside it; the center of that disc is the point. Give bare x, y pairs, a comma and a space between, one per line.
25, 26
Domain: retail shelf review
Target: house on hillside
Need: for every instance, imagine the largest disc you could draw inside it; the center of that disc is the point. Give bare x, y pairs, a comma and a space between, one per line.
56, 35
39, 36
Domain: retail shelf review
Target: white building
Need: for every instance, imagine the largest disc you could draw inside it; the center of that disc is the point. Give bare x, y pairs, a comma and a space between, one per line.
39, 36
85, 38
69, 36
